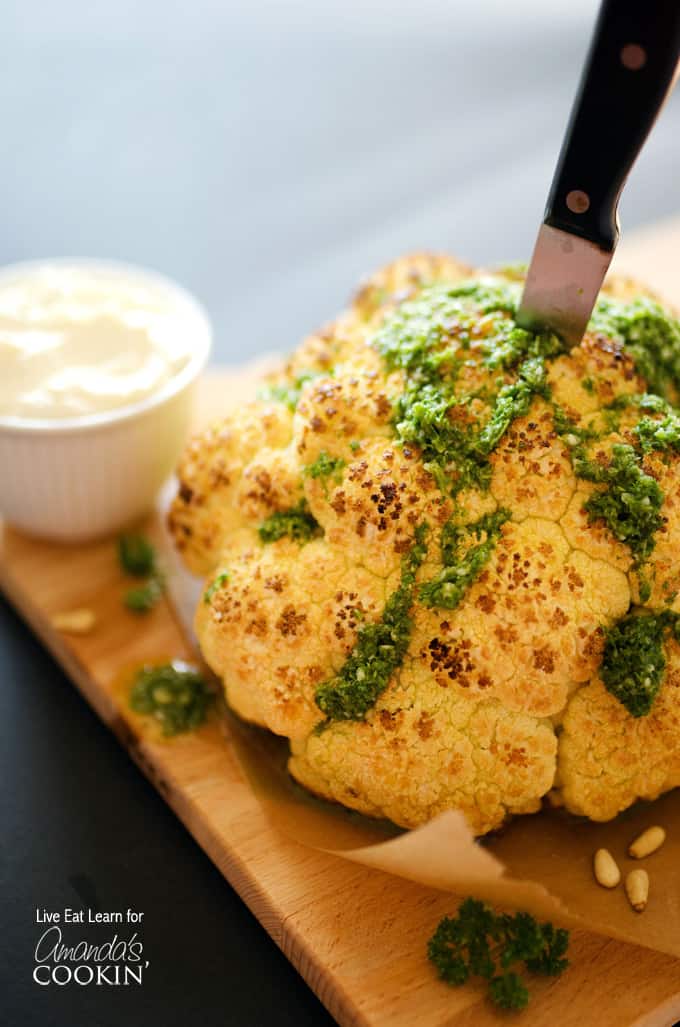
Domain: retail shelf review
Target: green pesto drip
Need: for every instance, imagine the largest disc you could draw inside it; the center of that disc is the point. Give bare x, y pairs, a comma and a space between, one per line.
429, 338
174, 694
462, 567
325, 466
289, 395
136, 555
630, 502
513, 401
663, 435
296, 523
633, 663
138, 558
379, 650
219, 582
650, 335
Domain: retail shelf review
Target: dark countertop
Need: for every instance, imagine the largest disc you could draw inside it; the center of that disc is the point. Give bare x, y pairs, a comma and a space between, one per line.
265, 155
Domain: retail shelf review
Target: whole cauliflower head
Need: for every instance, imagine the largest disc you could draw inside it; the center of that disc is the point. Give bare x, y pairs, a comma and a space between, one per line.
441, 552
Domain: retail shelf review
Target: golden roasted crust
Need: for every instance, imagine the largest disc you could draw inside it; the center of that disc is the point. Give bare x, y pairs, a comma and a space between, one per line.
205, 510
608, 759
410, 762
473, 717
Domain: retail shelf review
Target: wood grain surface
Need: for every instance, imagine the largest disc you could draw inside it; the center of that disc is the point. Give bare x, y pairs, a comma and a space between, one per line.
356, 935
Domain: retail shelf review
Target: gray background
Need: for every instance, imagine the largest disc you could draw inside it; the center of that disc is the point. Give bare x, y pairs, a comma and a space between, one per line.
268, 153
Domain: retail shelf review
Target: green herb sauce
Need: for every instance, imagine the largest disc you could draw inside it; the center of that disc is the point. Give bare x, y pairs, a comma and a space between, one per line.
659, 435
174, 694
325, 466
137, 557
633, 663
430, 338
380, 648
215, 586
630, 502
296, 523
289, 394
462, 568
144, 598
650, 335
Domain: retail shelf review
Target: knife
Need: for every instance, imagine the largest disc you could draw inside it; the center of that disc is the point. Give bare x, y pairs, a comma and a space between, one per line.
629, 72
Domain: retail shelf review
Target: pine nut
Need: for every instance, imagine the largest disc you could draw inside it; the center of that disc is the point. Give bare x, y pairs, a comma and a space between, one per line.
647, 842
74, 622
637, 889
605, 868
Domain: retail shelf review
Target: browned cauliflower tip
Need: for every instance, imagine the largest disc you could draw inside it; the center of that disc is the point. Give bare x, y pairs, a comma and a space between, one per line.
440, 552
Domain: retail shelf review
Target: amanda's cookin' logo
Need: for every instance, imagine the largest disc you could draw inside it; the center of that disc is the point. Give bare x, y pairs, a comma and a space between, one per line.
114, 961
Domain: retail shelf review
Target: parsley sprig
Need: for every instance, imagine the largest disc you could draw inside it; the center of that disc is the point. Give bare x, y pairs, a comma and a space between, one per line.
137, 557
479, 942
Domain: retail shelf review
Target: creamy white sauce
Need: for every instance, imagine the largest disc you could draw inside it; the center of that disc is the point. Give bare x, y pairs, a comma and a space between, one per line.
78, 340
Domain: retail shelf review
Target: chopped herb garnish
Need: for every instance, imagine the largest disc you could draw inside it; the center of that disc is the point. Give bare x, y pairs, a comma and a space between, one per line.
174, 694
289, 394
630, 502
659, 435
651, 336
461, 566
215, 586
325, 466
145, 597
513, 401
633, 663
430, 339
296, 523
479, 942
379, 650
137, 557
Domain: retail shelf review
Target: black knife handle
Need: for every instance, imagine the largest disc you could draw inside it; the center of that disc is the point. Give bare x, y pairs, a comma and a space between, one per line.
628, 72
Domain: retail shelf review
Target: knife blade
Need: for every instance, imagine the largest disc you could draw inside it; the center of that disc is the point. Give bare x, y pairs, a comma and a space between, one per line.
628, 74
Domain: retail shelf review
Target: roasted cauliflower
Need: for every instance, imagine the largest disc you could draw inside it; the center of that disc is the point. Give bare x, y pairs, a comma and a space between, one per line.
441, 552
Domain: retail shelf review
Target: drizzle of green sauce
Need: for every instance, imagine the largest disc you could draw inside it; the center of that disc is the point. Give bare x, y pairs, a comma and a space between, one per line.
325, 466
630, 502
296, 523
138, 558
513, 401
379, 650
429, 338
289, 394
174, 694
633, 663
659, 435
215, 586
462, 568
650, 335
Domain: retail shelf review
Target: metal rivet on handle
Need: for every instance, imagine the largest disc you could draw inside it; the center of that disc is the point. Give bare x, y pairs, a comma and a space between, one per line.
578, 201
633, 57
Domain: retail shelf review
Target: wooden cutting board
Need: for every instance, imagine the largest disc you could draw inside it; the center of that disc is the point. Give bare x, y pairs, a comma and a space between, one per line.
356, 935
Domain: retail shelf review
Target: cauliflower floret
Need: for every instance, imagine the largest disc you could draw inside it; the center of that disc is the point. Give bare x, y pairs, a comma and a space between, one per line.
530, 625
204, 511
608, 759
424, 752
282, 621
420, 542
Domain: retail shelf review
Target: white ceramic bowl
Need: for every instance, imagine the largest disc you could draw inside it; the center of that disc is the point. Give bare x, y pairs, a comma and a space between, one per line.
85, 477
